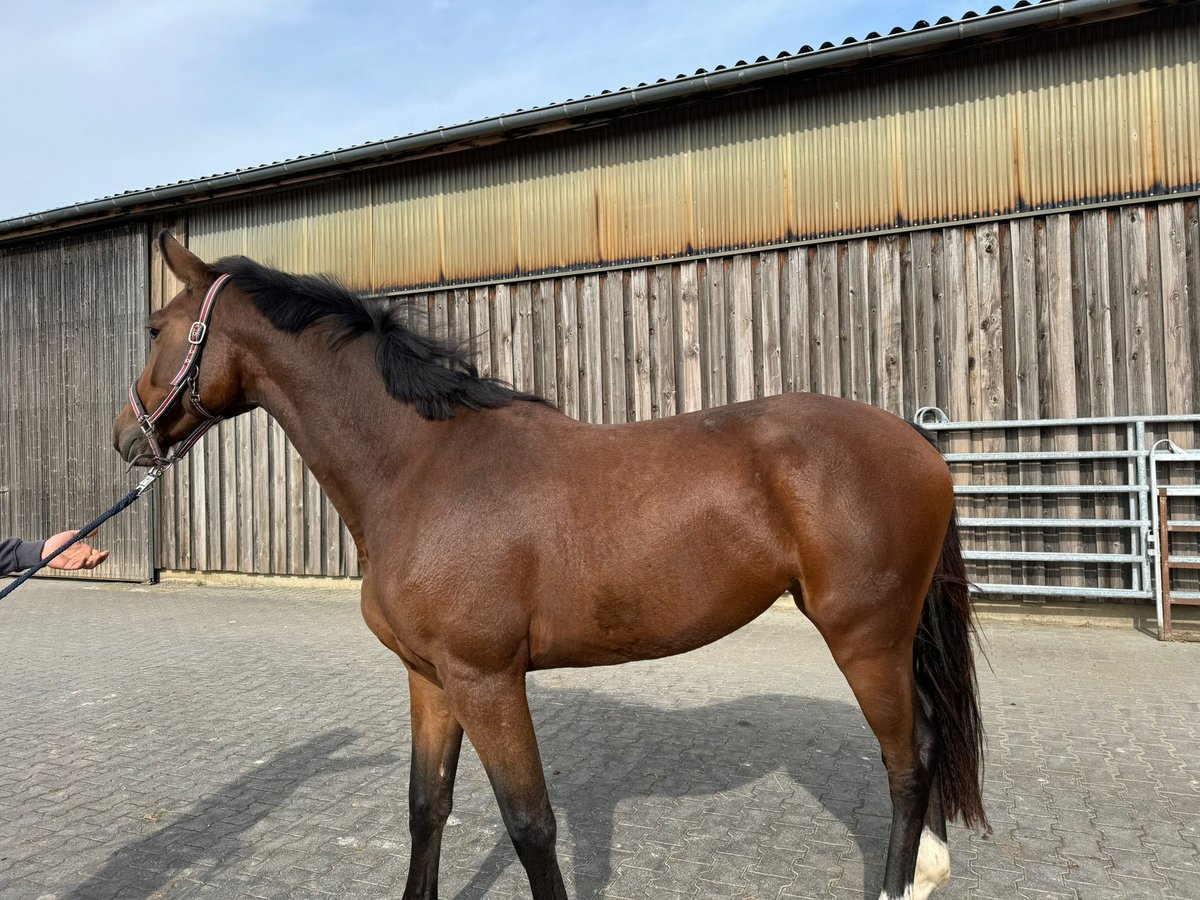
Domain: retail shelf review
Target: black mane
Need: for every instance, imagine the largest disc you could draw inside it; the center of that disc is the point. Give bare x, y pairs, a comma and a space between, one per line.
432, 375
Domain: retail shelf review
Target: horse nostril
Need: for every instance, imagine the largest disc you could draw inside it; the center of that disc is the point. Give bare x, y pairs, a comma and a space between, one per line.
124, 442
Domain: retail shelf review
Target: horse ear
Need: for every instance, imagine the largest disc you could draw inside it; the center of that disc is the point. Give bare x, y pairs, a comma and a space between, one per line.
186, 265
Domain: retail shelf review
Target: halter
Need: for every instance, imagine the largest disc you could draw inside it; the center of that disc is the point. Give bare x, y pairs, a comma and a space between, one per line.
187, 378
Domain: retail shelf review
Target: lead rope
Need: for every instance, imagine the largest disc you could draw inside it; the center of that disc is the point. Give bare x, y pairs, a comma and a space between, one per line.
127, 501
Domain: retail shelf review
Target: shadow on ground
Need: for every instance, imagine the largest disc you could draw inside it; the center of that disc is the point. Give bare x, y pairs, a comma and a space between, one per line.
209, 834
606, 757
602, 753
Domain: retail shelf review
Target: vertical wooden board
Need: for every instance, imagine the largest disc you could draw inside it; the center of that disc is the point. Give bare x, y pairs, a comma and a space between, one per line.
197, 536
857, 330
793, 321
567, 333
991, 351
955, 309
331, 538
502, 341
662, 341
1119, 309
970, 286
1059, 322
919, 296
210, 447
349, 554
612, 308
1095, 251
243, 438
537, 337
741, 328
481, 328
522, 339
887, 299
261, 481
716, 364
1139, 349
1176, 309
313, 502
1025, 318
1008, 319
279, 498
1154, 294
544, 340
687, 317
181, 483
910, 332
591, 324
768, 332
439, 316
1042, 271
639, 397
460, 320
938, 320
825, 364
1192, 264
62, 284
230, 524
1082, 314
297, 533
549, 362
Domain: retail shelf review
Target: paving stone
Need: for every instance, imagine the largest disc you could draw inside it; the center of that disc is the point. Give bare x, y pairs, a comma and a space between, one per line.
188, 741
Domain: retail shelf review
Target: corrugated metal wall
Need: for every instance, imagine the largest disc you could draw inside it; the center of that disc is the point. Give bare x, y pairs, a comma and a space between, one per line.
1089, 313
72, 311
1088, 115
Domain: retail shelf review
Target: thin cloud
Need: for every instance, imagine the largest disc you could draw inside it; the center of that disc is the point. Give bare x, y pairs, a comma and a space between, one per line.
108, 97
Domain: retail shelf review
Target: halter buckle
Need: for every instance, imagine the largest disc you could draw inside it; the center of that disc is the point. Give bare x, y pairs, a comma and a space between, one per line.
196, 335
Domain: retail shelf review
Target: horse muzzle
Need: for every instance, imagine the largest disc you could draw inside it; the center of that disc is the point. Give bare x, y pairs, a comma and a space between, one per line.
131, 444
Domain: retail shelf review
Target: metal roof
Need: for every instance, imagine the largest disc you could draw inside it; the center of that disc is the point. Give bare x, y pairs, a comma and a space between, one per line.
923, 36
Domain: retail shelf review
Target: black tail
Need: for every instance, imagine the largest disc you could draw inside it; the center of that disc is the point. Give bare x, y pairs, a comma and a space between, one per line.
945, 669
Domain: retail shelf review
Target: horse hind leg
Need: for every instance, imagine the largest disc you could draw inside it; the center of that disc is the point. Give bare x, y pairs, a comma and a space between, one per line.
933, 854
881, 676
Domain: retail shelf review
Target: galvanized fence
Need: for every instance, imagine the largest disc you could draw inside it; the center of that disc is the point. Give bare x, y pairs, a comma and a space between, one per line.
1065, 508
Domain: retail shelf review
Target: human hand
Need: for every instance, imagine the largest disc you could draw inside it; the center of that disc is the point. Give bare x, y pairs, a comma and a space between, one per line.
80, 556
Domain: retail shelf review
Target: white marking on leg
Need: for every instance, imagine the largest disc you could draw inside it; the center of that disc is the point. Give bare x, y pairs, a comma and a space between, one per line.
933, 865
907, 895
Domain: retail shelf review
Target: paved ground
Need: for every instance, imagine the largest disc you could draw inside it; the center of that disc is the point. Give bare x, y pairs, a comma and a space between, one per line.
213, 742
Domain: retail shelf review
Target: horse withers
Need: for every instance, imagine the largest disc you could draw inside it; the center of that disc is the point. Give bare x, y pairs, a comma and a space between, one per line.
498, 536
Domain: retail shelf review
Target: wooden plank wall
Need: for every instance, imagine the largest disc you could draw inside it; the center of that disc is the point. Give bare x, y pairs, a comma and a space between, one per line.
1087, 314
71, 315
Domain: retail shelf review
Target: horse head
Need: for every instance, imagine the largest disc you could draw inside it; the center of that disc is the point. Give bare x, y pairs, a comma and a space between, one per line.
175, 399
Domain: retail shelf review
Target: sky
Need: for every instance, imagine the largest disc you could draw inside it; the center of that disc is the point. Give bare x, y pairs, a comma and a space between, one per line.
105, 96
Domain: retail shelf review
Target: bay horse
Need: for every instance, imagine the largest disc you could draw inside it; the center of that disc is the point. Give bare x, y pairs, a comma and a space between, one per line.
498, 536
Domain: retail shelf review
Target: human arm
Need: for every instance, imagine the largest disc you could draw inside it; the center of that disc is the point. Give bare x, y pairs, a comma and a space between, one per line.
16, 554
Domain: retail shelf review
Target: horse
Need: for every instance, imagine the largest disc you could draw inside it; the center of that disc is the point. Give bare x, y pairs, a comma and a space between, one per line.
498, 536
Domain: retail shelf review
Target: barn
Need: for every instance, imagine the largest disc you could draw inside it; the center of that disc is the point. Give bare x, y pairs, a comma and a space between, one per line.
995, 215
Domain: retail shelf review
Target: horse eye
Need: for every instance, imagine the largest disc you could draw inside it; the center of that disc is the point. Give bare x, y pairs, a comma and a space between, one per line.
153, 332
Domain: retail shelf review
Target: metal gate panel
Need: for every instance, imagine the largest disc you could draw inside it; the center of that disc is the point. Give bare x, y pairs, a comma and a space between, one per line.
72, 312
1058, 507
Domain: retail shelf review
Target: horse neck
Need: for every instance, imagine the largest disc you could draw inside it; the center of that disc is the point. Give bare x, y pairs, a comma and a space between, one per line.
333, 407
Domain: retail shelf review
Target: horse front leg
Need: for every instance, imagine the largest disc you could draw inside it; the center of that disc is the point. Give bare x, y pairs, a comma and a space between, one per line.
437, 740
494, 711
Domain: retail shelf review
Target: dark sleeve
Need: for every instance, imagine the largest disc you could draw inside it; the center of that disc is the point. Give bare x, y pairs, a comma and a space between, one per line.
16, 554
